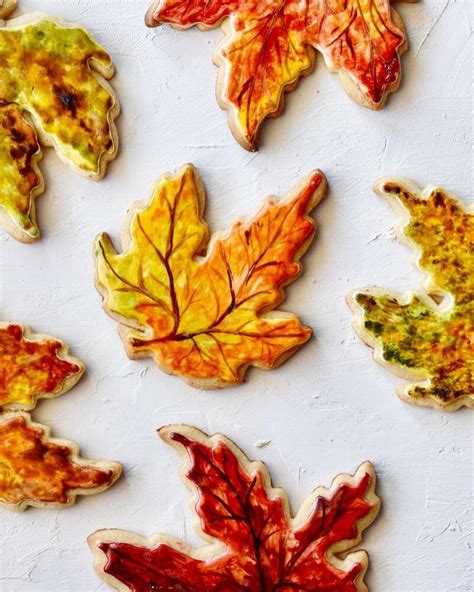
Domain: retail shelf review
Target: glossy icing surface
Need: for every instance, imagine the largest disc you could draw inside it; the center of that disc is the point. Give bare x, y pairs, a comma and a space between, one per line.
262, 548
200, 317
45, 69
32, 468
48, 72
18, 179
269, 45
436, 344
30, 368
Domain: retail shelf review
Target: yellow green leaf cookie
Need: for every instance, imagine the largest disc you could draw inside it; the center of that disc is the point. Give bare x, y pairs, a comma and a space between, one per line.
52, 91
427, 337
21, 180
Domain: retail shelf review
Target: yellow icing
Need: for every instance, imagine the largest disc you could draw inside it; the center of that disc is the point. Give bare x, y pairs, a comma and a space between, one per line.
45, 69
18, 179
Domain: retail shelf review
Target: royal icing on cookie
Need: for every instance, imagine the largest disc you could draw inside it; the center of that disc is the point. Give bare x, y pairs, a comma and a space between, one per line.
36, 470
52, 80
427, 337
270, 44
205, 318
33, 367
253, 543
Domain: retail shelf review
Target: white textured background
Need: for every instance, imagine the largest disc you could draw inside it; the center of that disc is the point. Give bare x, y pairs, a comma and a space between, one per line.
327, 409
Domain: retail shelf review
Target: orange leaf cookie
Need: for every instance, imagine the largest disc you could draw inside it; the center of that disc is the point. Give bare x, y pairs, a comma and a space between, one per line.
253, 543
270, 44
52, 90
36, 470
427, 337
207, 318
33, 367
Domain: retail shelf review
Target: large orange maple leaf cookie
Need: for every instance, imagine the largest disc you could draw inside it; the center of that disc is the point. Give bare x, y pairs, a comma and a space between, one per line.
36, 470
270, 44
253, 543
53, 91
207, 318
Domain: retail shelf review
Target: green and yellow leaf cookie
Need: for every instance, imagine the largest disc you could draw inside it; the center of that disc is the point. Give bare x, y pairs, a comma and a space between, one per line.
427, 337
52, 92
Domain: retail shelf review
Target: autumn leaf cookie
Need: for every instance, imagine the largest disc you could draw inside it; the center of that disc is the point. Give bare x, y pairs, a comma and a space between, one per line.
33, 367
427, 337
252, 541
35, 469
207, 318
53, 91
270, 44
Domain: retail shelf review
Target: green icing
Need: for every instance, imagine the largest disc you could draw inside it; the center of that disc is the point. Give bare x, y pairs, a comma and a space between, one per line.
44, 68
434, 344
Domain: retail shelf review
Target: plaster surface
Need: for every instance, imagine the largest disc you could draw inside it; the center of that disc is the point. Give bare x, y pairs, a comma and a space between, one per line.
328, 408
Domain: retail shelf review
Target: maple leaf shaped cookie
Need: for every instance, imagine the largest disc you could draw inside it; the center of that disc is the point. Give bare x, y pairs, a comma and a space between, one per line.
427, 337
52, 91
270, 44
36, 470
253, 543
201, 318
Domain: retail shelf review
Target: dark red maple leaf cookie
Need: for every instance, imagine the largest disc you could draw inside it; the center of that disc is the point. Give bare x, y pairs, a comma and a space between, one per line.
254, 544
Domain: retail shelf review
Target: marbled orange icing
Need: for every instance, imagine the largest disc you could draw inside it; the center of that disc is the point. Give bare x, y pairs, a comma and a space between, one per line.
35, 470
31, 368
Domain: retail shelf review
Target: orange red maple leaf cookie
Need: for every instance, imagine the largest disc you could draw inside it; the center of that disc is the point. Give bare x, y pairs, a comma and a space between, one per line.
36, 470
53, 91
427, 337
33, 367
270, 44
207, 318
252, 541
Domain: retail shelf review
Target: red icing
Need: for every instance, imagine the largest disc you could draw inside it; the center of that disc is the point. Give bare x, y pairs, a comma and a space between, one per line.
360, 38
36, 363
262, 552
